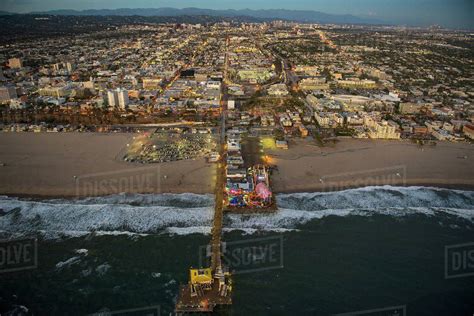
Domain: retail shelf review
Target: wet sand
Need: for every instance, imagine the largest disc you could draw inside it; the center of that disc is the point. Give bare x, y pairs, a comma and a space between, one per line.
90, 164
356, 163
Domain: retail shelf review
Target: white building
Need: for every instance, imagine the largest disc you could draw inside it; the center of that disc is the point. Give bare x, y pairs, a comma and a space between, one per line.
384, 130
329, 119
118, 98
112, 98
122, 98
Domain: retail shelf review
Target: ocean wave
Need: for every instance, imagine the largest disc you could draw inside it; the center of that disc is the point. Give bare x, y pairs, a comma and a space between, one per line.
138, 215
183, 200
251, 231
67, 263
204, 230
299, 208
378, 197
290, 219
74, 217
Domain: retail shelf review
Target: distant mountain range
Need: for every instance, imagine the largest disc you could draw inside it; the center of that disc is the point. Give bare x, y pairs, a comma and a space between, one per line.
291, 15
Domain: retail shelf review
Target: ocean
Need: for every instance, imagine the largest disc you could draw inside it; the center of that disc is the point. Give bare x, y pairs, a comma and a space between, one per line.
371, 251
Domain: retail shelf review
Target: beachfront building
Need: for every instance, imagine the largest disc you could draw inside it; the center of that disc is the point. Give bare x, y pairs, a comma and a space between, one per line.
441, 134
433, 125
329, 119
468, 130
382, 130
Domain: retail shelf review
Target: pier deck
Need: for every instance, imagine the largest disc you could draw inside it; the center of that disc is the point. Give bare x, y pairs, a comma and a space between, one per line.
205, 303
206, 300
219, 203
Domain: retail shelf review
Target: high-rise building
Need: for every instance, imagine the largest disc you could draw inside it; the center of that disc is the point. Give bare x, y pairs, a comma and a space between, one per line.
15, 63
112, 98
122, 98
118, 98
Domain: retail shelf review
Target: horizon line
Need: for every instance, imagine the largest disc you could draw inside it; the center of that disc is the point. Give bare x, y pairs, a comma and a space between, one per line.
376, 20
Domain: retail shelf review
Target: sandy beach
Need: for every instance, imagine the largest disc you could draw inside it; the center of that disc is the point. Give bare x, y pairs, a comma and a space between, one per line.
356, 163
90, 164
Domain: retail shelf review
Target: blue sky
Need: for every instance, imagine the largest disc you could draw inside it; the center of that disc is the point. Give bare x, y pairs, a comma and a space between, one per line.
451, 13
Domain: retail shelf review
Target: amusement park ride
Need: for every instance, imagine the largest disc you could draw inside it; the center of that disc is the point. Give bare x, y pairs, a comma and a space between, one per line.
256, 194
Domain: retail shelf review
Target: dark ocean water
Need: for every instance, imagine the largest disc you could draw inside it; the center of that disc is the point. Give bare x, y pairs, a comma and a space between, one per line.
340, 252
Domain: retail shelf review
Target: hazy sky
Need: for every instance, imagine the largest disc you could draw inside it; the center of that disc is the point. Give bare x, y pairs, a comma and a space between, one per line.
451, 13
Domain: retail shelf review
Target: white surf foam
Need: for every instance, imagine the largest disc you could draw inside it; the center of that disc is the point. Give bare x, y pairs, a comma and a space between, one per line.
378, 197
205, 230
291, 219
75, 218
67, 263
176, 214
136, 199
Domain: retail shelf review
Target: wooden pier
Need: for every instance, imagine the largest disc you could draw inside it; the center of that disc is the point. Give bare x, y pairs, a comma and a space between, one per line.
208, 290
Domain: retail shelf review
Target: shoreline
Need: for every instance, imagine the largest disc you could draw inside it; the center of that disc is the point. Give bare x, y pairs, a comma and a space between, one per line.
458, 187
442, 186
